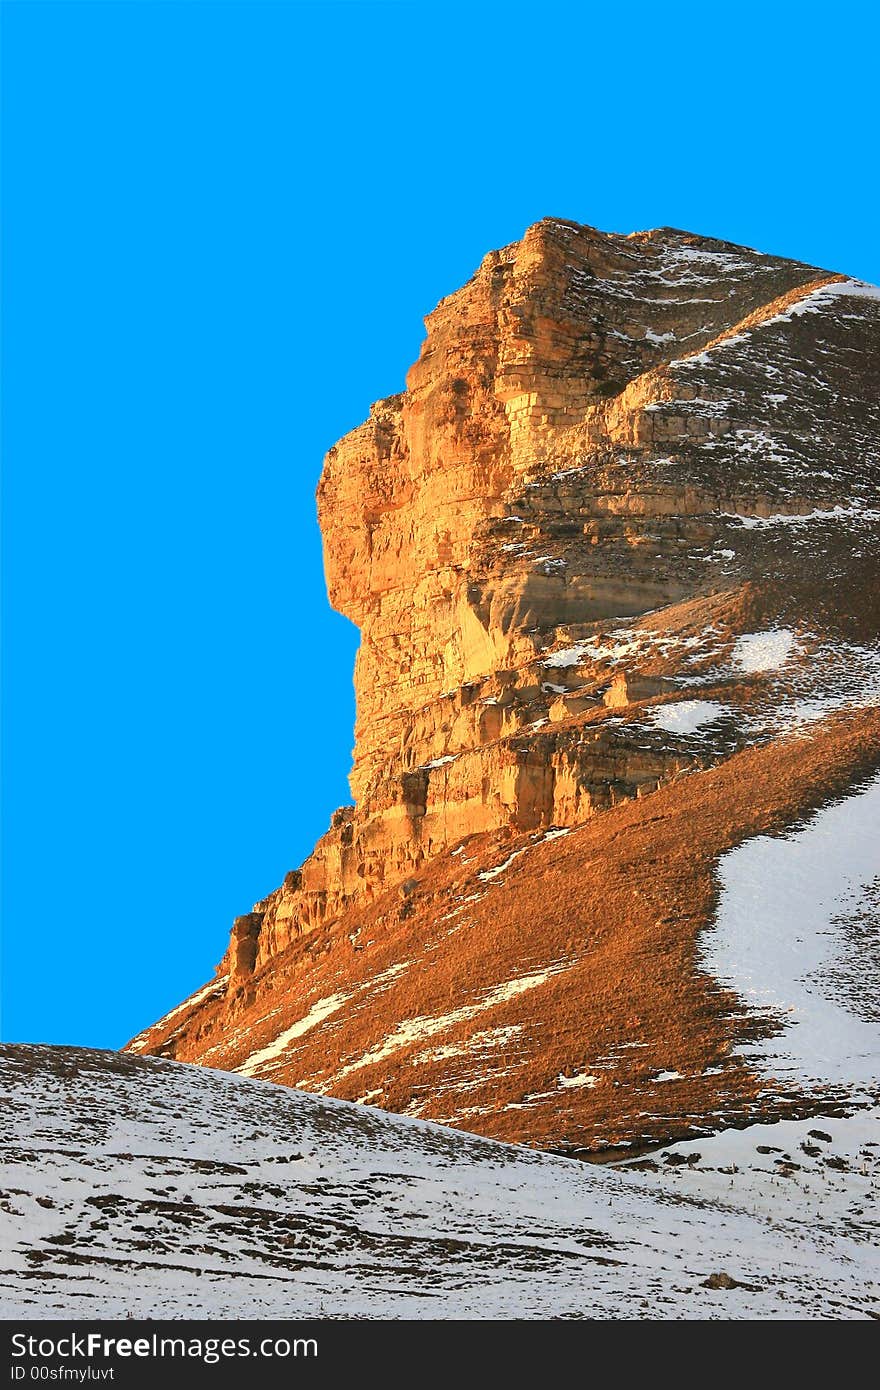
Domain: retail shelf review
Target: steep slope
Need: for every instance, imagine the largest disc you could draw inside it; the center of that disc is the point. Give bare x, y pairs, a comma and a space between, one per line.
614, 557
548, 987
139, 1187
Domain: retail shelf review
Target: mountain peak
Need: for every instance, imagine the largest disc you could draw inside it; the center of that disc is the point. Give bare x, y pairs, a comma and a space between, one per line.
611, 553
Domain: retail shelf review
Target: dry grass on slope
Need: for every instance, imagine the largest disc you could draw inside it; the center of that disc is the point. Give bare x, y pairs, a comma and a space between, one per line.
595, 937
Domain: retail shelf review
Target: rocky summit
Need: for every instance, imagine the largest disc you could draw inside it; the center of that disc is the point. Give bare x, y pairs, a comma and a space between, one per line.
614, 559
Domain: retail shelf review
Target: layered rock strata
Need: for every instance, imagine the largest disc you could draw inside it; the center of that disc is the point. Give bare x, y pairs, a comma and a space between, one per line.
588, 420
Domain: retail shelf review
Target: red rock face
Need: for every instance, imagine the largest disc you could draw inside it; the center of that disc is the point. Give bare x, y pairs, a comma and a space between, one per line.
617, 458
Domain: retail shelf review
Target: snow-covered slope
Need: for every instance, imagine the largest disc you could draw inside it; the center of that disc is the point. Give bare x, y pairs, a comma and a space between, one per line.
796, 934
145, 1187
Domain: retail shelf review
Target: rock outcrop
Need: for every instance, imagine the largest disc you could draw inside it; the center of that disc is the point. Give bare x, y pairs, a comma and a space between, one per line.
619, 461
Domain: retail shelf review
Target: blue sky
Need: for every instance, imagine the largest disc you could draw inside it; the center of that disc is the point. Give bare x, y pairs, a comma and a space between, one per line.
224, 224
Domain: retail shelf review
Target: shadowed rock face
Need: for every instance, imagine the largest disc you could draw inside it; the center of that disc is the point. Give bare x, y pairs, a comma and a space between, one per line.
615, 457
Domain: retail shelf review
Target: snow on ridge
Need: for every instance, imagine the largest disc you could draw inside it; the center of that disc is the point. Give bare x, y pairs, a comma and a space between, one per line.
838, 676
622, 642
815, 302
725, 261
699, 359
555, 832
858, 689
855, 511
820, 298
213, 987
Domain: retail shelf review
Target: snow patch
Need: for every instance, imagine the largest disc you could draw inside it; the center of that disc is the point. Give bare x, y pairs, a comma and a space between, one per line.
779, 941
854, 512
764, 651
421, 1027
687, 716
569, 1083
316, 1014
214, 987
485, 874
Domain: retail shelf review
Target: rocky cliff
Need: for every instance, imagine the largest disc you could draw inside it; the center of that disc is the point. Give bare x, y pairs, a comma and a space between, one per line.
613, 550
